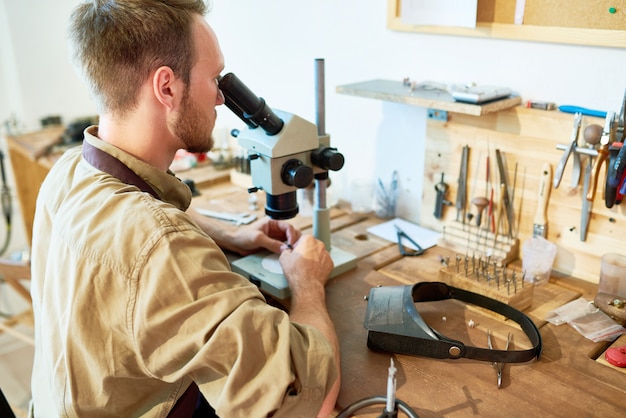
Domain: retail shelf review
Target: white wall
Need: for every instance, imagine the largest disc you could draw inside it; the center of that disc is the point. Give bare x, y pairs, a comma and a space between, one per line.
271, 45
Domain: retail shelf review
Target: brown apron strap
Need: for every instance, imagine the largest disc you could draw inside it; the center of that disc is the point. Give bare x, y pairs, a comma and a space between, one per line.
111, 165
186, 404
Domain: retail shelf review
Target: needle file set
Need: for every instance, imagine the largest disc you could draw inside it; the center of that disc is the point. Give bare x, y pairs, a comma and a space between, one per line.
470, 238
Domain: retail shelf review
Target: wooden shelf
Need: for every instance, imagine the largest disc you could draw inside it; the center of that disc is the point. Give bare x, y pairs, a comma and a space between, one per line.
395, 91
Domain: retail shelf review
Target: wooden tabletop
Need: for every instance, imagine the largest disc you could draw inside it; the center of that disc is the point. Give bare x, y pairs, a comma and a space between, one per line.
567, 380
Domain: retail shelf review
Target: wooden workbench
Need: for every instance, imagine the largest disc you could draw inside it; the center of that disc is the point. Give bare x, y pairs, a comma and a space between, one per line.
566, 381
570, 378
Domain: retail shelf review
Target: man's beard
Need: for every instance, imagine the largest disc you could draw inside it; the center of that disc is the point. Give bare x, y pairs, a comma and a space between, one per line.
193, 128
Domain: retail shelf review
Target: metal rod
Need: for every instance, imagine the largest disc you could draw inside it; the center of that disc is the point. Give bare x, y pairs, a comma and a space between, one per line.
581, 150
320, 111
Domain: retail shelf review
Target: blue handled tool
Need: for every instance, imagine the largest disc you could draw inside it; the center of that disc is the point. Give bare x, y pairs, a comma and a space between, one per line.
583, 110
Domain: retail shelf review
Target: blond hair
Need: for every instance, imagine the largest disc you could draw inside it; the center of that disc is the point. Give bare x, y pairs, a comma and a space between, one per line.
117, 44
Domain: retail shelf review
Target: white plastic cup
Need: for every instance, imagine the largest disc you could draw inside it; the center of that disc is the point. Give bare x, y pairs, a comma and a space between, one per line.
613, 275
537, 259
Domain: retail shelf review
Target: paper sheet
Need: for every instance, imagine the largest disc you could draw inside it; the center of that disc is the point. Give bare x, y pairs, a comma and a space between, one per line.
426, 238
440, 12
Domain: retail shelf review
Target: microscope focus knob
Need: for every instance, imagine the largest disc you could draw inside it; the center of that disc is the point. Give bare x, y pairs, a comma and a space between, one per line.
296, 174
328, 159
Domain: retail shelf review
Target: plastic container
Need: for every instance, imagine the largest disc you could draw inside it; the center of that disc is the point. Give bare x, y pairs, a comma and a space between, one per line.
537, 259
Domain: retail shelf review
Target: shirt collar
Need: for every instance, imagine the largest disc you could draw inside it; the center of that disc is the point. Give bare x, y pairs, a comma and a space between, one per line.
169, 188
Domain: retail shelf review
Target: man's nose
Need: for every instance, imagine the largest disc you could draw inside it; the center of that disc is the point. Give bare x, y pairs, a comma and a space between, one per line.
220, 98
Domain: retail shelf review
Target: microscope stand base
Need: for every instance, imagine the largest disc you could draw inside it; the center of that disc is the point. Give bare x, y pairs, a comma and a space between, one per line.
264, 270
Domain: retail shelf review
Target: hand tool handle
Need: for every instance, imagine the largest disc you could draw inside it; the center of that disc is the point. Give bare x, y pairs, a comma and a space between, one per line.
618, 165
508, 205
441, 188
545, 180
461, 194
561, 166
582, 110
500, 210
610, 187
603, 153
571, 147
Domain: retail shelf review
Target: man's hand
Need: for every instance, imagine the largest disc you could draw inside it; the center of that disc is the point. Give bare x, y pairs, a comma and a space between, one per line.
265, 233
307, 264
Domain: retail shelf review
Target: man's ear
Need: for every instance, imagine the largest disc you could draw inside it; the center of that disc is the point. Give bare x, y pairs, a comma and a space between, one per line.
167, 88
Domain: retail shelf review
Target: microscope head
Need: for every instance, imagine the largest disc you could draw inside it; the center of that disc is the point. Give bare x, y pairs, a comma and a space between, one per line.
280, 147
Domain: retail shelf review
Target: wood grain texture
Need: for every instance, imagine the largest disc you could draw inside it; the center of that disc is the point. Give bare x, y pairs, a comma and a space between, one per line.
528, 138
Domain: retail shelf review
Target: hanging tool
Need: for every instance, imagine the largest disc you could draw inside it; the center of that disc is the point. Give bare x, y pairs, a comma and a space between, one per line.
442, 190
585, 213
498, 366
461, 194
603, 153
612, 179
499, 216
470, 215
541, 216
592, 135
480, 202
505, 198
617, 161
570, 150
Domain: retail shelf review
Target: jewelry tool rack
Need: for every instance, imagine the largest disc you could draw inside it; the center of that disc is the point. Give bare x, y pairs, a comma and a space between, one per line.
490, 277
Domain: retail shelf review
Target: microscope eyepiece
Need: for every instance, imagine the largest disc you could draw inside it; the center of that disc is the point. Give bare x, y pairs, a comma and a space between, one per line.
247, 106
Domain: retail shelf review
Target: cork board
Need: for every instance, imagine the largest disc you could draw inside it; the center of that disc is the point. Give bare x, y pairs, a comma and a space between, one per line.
579, 22
587, 14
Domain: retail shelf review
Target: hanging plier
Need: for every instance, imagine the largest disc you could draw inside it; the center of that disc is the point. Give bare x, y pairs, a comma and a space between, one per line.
606, 140
570, 150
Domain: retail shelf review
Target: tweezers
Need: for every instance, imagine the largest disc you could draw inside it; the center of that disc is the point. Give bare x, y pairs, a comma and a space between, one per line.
402, 235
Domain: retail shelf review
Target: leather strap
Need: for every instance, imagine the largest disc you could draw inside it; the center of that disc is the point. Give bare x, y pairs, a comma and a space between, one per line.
111, 165
185, 405
395, 325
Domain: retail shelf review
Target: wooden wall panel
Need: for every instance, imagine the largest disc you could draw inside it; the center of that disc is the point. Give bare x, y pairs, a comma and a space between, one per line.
528, 138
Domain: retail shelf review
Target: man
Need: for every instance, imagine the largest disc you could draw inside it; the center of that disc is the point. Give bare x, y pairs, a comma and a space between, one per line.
135, 305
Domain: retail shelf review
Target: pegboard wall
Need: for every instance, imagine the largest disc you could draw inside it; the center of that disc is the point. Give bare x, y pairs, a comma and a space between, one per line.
526, 138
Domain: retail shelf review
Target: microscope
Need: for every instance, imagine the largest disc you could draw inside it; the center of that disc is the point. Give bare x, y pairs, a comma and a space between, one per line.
286, 153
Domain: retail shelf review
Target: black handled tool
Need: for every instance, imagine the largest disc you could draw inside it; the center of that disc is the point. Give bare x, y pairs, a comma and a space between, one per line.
461, 194
442, 189
613, 175
504, 184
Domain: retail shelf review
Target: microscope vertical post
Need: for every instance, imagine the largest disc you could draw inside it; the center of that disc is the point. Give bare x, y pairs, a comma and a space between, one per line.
321, 213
